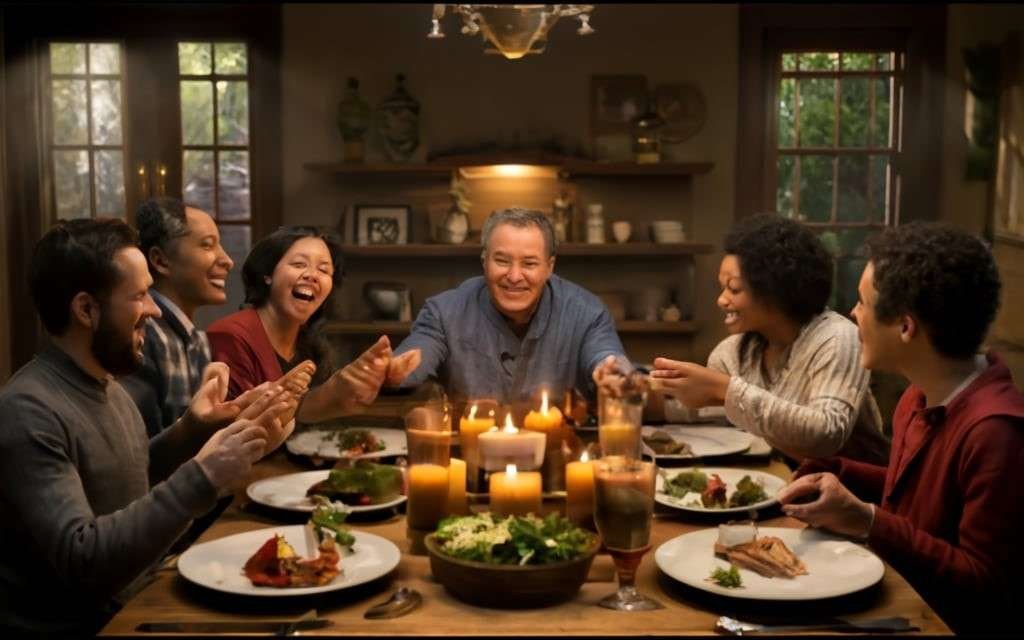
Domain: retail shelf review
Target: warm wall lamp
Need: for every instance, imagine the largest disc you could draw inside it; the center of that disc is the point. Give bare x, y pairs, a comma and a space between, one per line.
515, 30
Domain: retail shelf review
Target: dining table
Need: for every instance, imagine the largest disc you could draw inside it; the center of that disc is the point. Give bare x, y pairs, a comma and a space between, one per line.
170, 598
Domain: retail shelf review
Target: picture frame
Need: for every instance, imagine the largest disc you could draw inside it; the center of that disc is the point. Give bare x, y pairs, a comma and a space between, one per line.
381, 223
614, 101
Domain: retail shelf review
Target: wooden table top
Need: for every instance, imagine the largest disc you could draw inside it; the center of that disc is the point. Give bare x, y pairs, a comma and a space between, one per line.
688, 611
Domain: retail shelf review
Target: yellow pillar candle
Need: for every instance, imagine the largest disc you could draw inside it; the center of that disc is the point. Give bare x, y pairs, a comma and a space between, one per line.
547, 421
470, 428
619, 439
428, 495
515, 492
579, 492
457, 504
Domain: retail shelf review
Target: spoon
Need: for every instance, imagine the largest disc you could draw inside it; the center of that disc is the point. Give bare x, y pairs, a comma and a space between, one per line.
400, 603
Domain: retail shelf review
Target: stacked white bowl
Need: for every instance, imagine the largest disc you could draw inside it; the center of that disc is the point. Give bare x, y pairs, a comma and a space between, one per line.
668, 231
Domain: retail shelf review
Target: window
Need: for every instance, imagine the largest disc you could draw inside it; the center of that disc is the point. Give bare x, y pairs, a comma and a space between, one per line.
1009, 184
836, 148
85, 138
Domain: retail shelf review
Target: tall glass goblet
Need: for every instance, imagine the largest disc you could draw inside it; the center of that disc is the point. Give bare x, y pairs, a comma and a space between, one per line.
623, 512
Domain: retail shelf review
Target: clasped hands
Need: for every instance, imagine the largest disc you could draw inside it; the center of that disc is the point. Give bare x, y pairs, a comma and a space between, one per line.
357, 384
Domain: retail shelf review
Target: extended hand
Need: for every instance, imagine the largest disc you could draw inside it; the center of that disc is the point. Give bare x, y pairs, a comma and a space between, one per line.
228, 455
208, 407
401, 366
358, 383
616, 376
693, 385
831, 506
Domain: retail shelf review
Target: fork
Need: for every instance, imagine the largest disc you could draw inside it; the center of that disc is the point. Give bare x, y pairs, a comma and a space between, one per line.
894, 624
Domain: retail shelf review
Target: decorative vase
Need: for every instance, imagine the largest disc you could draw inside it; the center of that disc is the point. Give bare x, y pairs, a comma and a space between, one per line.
398, 123
455, 227
353, 122
646, 135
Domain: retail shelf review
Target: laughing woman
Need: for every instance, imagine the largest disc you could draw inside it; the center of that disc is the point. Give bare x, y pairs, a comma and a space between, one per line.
790, 372
289, 277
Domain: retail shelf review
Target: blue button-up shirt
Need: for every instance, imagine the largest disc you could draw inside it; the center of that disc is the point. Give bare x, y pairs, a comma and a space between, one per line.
468, 346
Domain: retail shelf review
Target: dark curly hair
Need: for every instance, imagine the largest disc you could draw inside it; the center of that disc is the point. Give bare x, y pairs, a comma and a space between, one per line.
944, 277
260, 265
785, 265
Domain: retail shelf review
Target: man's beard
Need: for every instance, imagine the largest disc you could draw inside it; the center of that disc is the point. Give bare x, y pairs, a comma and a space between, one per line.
113, 349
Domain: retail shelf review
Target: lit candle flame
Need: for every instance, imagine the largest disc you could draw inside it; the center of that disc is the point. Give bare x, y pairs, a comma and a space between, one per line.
510, 472
544, 403
584, 457
142, 171
509, 427
472, 412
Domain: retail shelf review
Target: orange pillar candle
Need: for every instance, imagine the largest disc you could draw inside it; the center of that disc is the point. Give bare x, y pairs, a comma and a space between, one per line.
470, 428
548, 421
579, 492
457, 504
428, 495
515, 492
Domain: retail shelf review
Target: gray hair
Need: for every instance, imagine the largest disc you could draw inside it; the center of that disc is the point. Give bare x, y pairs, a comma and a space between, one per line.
521, 218
161, 223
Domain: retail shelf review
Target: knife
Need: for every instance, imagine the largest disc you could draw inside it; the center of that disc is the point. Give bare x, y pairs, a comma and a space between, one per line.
277, 628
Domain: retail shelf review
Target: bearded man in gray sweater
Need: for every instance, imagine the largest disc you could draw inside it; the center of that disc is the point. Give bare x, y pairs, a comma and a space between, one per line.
87, 502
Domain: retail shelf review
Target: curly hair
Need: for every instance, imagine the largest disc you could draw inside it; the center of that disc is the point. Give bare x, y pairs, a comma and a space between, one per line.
785, 265
943, 276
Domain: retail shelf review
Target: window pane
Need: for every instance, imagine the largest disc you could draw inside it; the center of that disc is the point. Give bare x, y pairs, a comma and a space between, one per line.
848, 273
194, 58
66, 57
196, 112
233, 112
109, 166
789, 62
234, 185
817, 112
197, 176
879, 206
884, 61
881, 134
230, 57
71, 183
104, 58
106, 112
784, 192
854, 114
816, 188
787, 112
69, 112
857, 61
852, 196
819, 61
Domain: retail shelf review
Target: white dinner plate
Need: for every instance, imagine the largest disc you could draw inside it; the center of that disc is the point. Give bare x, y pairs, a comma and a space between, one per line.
321, 443
703, 441
289, 492
835, 566
218, 564
772, 485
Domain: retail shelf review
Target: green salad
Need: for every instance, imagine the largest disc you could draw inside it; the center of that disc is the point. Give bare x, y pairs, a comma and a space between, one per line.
521, 540
328, 520
728, 578
686, 482
747, 492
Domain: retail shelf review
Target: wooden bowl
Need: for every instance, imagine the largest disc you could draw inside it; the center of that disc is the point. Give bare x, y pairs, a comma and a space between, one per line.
510, 586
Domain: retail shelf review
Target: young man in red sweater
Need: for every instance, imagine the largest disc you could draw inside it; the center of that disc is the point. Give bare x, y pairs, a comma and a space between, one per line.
947, 511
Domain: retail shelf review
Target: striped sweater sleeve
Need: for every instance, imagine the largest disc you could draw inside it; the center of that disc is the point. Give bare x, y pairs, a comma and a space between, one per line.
822, 425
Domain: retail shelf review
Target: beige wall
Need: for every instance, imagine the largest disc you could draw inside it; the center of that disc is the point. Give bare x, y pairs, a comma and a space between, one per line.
468, 96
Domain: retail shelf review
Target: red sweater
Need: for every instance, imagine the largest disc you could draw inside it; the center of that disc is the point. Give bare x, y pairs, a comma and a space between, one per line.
951, 502
240, 341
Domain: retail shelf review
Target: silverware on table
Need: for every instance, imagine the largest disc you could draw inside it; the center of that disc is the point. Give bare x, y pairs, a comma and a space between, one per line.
400, 603
274, 627
739, 627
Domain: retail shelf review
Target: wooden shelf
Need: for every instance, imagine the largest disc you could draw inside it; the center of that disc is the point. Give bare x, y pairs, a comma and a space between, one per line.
640, 249
347, 328
579, 168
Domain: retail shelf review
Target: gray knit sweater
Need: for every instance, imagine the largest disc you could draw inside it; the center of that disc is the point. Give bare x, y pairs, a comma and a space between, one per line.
79, 522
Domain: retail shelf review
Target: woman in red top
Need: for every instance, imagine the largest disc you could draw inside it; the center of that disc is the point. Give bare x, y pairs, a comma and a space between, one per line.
288, 277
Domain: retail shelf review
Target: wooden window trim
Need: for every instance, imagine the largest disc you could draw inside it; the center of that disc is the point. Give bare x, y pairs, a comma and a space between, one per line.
766, 30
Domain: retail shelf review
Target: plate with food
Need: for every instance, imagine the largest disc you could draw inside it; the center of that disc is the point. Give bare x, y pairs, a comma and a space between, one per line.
716, 490
674, 441
363, 486
348, 442
769, 563
290, 560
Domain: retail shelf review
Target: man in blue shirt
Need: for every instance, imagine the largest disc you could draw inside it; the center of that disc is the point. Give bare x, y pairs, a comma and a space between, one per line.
517, 330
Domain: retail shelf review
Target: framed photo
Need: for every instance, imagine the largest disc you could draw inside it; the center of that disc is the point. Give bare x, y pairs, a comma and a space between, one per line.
614, 102
381, 223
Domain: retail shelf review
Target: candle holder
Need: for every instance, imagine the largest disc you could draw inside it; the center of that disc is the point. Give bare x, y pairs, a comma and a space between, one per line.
549, 421
429, 439
479, 416
620, 419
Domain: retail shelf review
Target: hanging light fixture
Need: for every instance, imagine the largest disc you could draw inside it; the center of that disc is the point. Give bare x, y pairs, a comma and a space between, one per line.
515, 30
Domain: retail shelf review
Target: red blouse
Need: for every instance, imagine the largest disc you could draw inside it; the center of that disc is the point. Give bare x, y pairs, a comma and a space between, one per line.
240, 341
